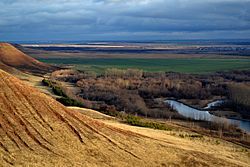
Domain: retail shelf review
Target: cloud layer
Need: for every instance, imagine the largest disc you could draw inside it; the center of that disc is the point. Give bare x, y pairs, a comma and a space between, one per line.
123, 19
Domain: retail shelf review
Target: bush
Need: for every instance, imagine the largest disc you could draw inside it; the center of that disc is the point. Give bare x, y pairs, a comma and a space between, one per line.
192, 136
65, 100
58, 91
109, 110
47, 82
69, 102
133, 120
137, 121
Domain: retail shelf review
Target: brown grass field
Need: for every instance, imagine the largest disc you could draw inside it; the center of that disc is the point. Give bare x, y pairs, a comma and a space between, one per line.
35, 130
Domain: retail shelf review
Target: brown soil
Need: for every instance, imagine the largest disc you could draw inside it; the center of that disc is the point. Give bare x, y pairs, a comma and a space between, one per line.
12, 57
35, 130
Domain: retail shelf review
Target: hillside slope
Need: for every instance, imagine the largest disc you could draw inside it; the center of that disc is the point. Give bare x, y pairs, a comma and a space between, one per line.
10, 56
35, 130
8, 68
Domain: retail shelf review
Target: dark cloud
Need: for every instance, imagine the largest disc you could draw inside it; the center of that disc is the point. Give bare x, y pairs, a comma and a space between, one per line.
123, 19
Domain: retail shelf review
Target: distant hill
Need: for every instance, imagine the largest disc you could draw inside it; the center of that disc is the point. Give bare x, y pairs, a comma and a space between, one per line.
12, 57
36, 130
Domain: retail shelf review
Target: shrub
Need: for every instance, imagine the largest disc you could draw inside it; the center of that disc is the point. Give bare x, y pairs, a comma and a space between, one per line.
192, 136
137, 121
69, 102
133, 120
65, 100
58, 91
47, 82
109, 110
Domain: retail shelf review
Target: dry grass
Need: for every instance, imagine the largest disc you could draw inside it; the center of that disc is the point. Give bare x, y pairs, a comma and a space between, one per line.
179, 139
92, 113
35, 130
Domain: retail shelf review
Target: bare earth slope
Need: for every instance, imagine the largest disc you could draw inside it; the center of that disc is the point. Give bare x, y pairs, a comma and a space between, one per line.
35, 130
10, 56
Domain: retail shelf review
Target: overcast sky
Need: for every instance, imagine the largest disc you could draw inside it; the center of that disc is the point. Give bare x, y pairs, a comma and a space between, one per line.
124, 19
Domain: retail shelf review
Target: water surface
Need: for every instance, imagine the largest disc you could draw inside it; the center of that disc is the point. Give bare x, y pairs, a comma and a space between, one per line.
204, 115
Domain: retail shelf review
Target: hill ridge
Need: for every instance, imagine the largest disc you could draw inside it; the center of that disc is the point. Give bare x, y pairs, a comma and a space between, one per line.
12, 57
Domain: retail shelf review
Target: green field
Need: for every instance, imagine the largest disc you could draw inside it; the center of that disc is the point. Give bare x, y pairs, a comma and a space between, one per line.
192, 65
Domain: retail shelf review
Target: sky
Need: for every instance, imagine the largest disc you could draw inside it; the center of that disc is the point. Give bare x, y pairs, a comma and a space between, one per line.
31, 20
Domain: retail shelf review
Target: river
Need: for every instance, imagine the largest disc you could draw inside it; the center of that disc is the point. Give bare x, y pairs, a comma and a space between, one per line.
204, 115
